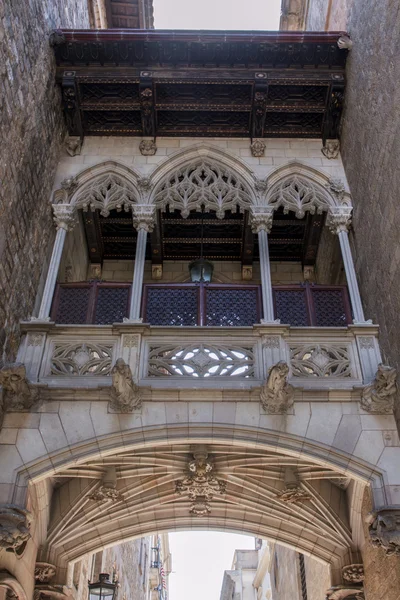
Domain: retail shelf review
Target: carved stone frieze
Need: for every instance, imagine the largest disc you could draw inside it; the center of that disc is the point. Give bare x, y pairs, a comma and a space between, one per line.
65, 216
378, 397
384, 529
200, 485
257, 148
44, 572
18, 393
14, 526
277, 395
331, 149
353, 573
147, 147
125, 394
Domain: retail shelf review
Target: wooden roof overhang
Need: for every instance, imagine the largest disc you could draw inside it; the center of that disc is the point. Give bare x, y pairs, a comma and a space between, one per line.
201, 83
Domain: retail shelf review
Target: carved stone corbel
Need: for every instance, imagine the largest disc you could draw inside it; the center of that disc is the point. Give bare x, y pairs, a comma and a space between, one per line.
292, 493
331, 149
44, 572
73, 145
14, 526
125, 394
378, 397
18, 393
257, 148
384, 529
353, 573
147, 148
277, 395
108, 489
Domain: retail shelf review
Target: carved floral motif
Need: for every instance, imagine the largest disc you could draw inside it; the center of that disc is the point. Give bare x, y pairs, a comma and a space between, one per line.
277, 395
378, 397
353, 573
125, 394
19, 394
14, 526
293, 495
257, 148
200, 485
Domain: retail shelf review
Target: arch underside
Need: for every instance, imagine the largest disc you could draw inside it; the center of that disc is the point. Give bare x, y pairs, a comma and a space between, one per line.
148, 501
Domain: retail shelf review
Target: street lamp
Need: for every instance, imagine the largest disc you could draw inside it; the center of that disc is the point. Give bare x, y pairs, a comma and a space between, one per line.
102, 589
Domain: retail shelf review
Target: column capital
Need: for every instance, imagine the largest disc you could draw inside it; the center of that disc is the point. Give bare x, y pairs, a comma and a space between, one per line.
261, 219
339, 219
65, 216
143, 217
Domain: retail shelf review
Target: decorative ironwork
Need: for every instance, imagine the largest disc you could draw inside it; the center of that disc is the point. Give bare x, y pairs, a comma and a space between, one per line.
111, 305
320, 360
172, 306
200, 360
81, 359
329, 307
72, 305
229, 308
215, 187
291, 307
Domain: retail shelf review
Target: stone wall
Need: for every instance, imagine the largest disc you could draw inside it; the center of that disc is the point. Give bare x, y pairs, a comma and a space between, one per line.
130, 562
318, 578
31, 130
285, 580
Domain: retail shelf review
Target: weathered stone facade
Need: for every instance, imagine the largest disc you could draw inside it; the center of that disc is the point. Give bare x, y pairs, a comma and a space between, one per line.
32, 131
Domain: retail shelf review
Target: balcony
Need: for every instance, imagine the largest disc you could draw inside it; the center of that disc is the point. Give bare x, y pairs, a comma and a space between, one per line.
192, 305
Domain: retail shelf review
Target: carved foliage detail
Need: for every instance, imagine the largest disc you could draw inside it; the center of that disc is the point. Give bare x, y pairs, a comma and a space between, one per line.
200, 485
320, 360
353, 573
379, 396
277, 395
44, 572
81, 359
384, 530
107, 192
212, 186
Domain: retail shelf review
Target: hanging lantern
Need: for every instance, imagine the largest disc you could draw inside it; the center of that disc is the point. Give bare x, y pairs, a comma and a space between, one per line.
201, 269
102, 589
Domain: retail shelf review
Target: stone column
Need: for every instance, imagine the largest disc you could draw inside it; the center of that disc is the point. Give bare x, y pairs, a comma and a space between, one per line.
143, 221
65, 218
339, 222
261, 223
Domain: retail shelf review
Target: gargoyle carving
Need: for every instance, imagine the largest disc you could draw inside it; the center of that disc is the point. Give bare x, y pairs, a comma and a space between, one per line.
277, 395
125, 394
378, 397
384, 530
14, 526
18, 393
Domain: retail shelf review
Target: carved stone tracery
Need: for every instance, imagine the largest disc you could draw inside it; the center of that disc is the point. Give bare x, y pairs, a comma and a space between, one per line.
299, 194
277, 395
215, 187
105, 193
378, 397
200, 485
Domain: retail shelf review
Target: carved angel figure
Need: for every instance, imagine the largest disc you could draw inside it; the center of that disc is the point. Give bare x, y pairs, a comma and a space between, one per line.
384, 531
378, 397
19, 395
125, 394
277, 395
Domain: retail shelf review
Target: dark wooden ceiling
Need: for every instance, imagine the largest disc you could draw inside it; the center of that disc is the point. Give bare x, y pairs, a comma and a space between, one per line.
228, 239
177, 83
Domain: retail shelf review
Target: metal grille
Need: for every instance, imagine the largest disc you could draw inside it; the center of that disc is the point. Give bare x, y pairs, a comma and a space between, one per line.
111, 306
291, 307
172, 306
228, 308
329, 308
72, 305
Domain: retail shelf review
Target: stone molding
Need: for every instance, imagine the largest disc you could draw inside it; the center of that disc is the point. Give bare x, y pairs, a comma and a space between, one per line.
378, 397
384, 529
14, 590
18, 393
65, 216
125, 394
277, 395
143, 217
14, 526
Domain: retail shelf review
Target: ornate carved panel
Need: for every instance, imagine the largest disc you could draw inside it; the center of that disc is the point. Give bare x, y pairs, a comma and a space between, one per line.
320, 360
200, 360
81, 359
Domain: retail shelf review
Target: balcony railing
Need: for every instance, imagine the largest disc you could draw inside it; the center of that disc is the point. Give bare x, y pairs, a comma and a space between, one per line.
190, 305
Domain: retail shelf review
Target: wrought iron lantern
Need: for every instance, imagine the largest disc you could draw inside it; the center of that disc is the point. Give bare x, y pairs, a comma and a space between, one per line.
201, 269
102, 589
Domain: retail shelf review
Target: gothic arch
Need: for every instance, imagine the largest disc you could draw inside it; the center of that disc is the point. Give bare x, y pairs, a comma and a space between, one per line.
106, 186
299, 188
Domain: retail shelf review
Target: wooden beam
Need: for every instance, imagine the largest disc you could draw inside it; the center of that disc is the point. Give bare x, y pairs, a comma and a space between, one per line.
91, 221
